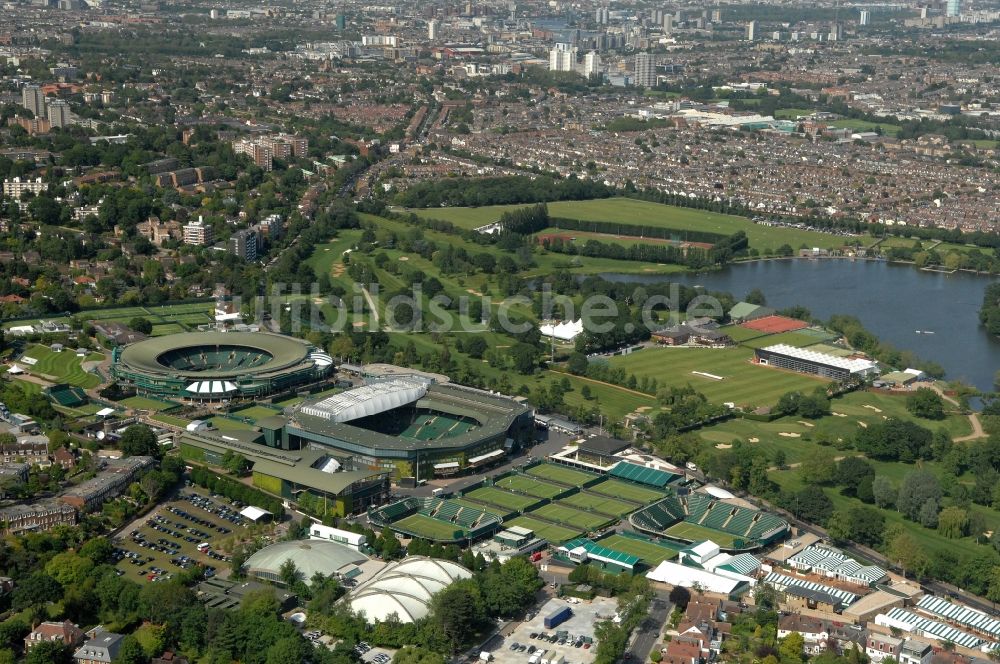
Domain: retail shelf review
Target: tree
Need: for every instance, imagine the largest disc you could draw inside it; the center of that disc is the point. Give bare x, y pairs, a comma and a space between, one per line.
289, 573
861, 524
139, 440
141, 325
391, 548
680, 596
917, 488
905, 551
926, 403
852, 472
929, 513
577, 364
792, 647
417, 655
895, 439
130, 652
953, 522
819, 467
756, 296
810, 504
883, 491
48, 652
458, 611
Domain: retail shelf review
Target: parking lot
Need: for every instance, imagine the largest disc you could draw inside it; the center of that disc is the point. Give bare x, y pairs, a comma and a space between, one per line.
178, 535
571, 645
370, 655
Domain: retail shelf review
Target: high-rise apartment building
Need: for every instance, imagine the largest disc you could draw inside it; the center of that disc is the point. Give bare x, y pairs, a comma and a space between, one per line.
33, 99
645, 70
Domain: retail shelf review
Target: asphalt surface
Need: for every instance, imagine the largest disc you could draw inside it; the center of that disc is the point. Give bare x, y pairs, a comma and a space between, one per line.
647, 635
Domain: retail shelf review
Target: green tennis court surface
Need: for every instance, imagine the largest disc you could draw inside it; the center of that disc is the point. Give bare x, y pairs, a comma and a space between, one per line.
428, 528
501, 498
569, 516
651, 553
561, 474
627, 491
602, 504
695, 533
548, 531
530, 486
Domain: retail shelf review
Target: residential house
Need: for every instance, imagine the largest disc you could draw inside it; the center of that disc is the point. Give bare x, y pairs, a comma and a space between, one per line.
881, 646
101, 648
65, 632
813, 630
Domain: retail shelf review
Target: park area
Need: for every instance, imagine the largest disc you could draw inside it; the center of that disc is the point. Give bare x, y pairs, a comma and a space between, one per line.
63, 366
632, 211
732, 375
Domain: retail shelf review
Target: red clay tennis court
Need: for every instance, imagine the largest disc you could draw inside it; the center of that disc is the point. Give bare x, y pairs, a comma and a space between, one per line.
774, 324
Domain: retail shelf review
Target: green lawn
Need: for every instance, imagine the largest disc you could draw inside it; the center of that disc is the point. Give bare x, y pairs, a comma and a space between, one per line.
256, 412
501, 498
547, 531
170, 419
627, 491
561, 474
791, 113
602, 504
741, 334
791, 338
428, 528
326, 256
651, 553
566, 515
164, 329
742, 383
695, 533
61, 367
537, 488
144, 403
863, 125
653, 214
501, 513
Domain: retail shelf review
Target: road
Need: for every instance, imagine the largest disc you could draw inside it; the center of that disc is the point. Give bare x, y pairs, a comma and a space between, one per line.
647, 634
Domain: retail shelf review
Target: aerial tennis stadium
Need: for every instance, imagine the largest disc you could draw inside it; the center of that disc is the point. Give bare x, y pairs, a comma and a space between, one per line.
218, 366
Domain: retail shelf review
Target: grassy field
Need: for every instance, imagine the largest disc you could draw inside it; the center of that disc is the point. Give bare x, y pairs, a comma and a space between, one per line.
144, 403
256, 412
166, 319
601, 504
327, 257
653, 214
171, 420
428, 528
523, 484
696, 533
562, 474
652, 554
548, 531
501, 498
61, 367
743, 382
627, 491
791, 338
572, 517
855, 409
862, 125
791, 113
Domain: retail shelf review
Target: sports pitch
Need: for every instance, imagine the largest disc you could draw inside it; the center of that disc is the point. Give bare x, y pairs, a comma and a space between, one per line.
428, 528
743, 383
695, 533
627, 491
610, 506
652, 554
501, 498
532, 487
561, 474
566, 515
553, 533
61, 367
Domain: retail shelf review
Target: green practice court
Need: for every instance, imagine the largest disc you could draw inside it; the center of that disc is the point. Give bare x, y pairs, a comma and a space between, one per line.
627, 491
551, 532
437, 426
428, 528
532, 487
692, 532
501, 513
504, 499
60, 367
601, 504
561, 474
650, 552
566, 515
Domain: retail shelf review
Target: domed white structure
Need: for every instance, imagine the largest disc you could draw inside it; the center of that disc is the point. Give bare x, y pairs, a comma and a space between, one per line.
405, 588
309, 556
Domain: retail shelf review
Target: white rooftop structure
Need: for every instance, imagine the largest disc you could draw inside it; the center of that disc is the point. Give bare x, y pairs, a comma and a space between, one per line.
718, 492
855, 365
405, 588
254, 513
566, 331
682, 575
370, 399
915, 624
209, 387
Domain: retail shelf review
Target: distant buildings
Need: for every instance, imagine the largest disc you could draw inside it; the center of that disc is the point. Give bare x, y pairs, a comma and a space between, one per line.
953, 8
265, 149
562, 57
432, 29
865, 17
645, 70
591, 64
14, 187
38, 516
751, 30
198, 233
33, 99
243, 243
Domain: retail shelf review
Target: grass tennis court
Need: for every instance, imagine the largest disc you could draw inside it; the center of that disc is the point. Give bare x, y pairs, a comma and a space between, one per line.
797, 339
164, 329
547, 531
561, 474
564, 514
696, 533
145, 403
172, 420
628, 491
651, 553
428, 528
501, 513
256, 412
501, 498
604, 505
530, 486
434, 427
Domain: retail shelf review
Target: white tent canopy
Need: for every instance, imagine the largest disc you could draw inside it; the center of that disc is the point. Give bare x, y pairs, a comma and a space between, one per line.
566, 331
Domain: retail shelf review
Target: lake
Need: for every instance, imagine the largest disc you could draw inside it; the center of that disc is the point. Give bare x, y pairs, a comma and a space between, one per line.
893, 301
